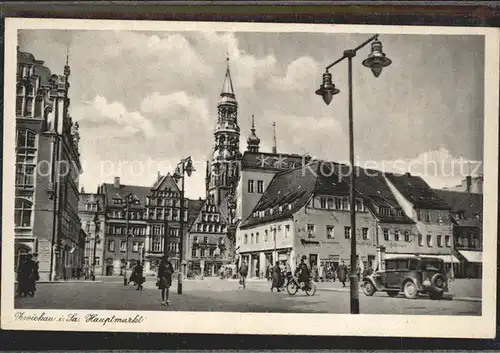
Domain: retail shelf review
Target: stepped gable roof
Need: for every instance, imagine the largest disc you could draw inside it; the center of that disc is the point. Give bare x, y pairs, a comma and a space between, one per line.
417, 191
272, 161
470, 204
194, 208
138, 192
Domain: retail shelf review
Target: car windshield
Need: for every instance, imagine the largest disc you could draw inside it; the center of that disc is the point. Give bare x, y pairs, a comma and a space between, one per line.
431, 265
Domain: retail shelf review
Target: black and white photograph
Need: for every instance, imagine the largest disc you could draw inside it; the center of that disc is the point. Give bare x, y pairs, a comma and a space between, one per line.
236, 174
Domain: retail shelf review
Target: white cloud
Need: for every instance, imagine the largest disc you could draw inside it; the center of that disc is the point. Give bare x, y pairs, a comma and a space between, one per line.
299, 76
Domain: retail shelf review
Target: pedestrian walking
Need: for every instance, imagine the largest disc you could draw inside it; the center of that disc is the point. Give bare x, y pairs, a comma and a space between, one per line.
243, 274
138, 275
321, 271
276, 277
27, 277
165, 271
342, 273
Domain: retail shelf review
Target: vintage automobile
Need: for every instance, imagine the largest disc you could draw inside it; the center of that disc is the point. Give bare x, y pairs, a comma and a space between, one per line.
412, 275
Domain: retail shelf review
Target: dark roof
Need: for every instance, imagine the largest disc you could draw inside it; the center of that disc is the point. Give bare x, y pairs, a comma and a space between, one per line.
166, 182
297, 186
293, 187
140, 192
469, 204
417, 191
272, 161
194, 207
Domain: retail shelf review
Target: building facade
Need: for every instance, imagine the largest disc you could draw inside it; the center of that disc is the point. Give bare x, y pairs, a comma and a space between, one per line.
47, 170
92, 215
430, 213
125, 211
208, 241
163, 213
467, 222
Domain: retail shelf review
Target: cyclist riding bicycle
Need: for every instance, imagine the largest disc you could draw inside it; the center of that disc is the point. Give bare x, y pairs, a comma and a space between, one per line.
303, 272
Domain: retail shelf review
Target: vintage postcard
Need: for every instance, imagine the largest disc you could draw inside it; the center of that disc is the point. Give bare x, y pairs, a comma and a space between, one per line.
198, 177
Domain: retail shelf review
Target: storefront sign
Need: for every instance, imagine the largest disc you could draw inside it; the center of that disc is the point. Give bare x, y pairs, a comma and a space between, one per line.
43, 255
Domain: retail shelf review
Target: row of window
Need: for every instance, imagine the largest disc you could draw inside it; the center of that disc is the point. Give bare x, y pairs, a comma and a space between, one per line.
210, 228
119, 201
259, 189
202, 252
97, 261
136, 245
196, 240
430, 242
152, 214
430, 216
340, 204
272, 211
469, 240
255, 238
159, 230
330, 232
120, 230
210, 217
157, 243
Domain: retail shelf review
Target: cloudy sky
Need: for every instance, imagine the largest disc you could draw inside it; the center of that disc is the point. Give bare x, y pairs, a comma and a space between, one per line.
146, 99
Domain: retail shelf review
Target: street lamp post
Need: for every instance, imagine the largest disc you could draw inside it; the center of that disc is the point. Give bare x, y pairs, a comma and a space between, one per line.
376, 61
127, 205
96, 237
184, 167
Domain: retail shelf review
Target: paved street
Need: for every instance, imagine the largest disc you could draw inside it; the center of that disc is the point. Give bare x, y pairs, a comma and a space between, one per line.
213, 294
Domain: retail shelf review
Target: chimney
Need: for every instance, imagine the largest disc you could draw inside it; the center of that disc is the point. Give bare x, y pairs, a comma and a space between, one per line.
408, 174
468, 183
116, 184
275, 148
82, 191
380, 258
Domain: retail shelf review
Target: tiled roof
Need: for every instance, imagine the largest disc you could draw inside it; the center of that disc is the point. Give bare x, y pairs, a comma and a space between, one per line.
294, 187
142, 192
417, 191
194, 207
272, 161
166, 182
463, 202
297, 186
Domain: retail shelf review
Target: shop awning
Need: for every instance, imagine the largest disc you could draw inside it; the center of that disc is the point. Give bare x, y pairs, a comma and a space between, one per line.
472, 256
445, 258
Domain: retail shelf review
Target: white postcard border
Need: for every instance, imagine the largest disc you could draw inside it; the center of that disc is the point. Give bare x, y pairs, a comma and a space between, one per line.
261, 323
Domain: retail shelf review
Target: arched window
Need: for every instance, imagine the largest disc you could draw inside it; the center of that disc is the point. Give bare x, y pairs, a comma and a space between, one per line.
22, 212
38, 106
25, 158
28, 101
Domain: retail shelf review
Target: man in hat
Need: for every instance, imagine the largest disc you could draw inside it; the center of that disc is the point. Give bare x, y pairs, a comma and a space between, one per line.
303, 271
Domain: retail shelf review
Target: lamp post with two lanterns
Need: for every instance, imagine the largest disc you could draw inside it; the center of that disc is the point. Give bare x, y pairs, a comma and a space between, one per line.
376, 61
185, 166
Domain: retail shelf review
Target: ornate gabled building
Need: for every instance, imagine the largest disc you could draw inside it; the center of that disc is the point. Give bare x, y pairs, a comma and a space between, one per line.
163, 211
208, 241
46, 204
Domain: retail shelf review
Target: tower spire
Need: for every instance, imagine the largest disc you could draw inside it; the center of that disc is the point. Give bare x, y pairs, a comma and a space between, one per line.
275, 150
227, 87
67, 70
253, 141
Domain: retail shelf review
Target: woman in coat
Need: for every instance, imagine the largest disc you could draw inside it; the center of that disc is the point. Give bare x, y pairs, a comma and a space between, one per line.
342, 273
165, 271
27, 277
276, 277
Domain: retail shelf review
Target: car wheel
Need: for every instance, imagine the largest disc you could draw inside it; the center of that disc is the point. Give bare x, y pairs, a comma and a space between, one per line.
368, 288
392, 293
436, 295
410, 290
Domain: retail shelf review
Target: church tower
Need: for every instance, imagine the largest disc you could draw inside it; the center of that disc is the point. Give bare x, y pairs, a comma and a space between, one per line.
253, 141
223, 169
